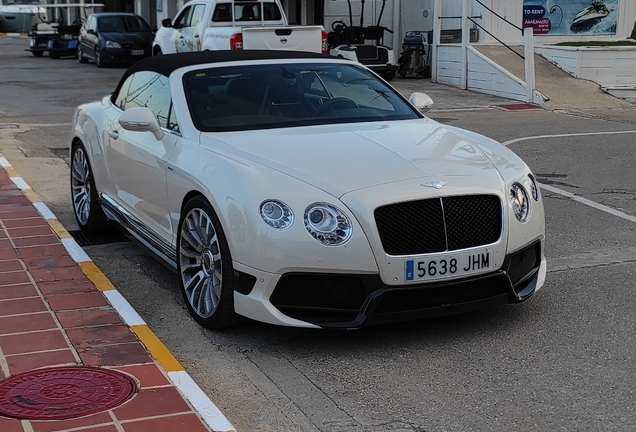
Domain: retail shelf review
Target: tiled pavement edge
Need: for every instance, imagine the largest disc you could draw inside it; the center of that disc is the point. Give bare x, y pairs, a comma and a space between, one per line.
53, 313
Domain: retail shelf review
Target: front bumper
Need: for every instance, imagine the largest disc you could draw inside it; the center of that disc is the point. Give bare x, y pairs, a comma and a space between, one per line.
352, 301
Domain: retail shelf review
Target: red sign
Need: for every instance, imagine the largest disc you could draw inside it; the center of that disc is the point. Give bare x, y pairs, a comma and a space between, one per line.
540, 25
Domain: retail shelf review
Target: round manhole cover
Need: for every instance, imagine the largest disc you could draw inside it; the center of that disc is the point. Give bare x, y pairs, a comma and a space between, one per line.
64, 392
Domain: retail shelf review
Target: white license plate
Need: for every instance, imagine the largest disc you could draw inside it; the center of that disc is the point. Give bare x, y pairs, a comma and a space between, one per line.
136, 52
451, 265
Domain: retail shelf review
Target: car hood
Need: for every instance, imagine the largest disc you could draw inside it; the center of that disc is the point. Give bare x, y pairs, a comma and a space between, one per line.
142, 37
343, 158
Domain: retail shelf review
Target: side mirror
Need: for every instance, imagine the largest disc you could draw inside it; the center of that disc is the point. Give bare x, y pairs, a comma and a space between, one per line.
140, 119
166, 22
421, 101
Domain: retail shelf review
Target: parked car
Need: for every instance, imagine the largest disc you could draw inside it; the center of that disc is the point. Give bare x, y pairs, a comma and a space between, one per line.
113, 37
302, 190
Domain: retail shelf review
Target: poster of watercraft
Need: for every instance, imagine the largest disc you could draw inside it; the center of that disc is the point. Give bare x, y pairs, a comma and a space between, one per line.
571, 17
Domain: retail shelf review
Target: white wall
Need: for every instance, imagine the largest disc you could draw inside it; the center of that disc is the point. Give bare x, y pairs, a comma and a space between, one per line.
485, 76
608, 67
449, 64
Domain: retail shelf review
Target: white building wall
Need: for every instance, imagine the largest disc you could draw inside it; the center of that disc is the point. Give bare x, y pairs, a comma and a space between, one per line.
449, 65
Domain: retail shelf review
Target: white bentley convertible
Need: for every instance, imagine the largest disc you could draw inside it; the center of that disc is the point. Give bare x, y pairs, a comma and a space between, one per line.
302, 190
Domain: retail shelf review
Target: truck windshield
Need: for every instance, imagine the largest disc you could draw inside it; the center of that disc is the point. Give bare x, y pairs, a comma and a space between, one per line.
287, 95
244, 11
20, 2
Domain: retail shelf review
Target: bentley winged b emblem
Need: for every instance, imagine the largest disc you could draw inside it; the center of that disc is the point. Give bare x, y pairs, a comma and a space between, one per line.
435, 184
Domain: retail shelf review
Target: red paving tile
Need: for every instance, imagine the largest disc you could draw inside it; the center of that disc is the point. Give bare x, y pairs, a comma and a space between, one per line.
10, 265
178, 423
28, 212
3, 234
42, 251
24, 222
8, 254
26, 362
87, 317
149, 375
60, 425
10, 425
21, 306
85, 337
30, 231
152, 402
17, 291
50, 262
26, 343
58, 274
71, 286
8, 198
36, 240
4, 208
5, 243
14, 277
115, 355
76, 301
26, 323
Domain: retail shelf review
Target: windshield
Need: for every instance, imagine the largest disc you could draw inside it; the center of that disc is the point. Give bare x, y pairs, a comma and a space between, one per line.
122, 24
274, 96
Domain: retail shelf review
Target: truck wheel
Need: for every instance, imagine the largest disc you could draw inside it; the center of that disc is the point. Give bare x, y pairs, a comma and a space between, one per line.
37, 53
388, 75
54, 55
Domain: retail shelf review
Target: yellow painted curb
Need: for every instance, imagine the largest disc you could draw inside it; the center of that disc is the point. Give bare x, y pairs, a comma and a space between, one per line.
157, 349
11, 171
96, 276
58, 229
31, 196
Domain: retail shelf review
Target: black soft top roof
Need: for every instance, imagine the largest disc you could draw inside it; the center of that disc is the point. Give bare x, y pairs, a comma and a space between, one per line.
166, 64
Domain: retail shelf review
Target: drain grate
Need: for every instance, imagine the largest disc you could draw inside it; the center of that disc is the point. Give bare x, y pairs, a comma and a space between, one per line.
112, 236
64, 392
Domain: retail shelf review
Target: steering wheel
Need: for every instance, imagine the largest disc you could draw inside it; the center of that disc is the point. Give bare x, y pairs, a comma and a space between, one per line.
338, 24
335, 104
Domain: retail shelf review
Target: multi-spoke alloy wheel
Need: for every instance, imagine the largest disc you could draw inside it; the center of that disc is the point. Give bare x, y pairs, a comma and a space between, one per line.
86, 207
205, 266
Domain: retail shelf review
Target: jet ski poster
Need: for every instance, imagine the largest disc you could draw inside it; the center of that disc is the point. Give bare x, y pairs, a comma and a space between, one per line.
571, 17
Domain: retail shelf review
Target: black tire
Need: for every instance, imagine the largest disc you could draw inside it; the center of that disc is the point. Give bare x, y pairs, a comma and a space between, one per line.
157, 51
54, 55
199, 278
86, 207
388, 75
37, 53
80, 55
98, 59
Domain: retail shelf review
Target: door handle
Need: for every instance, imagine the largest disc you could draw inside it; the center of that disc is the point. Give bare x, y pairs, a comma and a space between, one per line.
113, 134
196, 36
180, 37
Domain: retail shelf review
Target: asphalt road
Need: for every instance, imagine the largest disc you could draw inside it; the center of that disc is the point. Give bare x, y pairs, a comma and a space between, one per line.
562, 361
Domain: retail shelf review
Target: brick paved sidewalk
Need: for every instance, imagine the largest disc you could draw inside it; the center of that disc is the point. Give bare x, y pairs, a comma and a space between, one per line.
51, 314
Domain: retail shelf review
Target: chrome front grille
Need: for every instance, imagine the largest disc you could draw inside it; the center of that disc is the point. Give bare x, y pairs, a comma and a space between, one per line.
439, 224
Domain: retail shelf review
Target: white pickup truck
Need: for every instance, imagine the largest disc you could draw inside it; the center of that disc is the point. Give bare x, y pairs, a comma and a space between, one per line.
232, 25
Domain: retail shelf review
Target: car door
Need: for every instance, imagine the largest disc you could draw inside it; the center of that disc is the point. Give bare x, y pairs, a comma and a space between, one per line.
181, 25
137, 161
189, 26
88, 36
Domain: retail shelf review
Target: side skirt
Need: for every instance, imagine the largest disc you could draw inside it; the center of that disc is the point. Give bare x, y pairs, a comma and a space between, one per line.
139, 233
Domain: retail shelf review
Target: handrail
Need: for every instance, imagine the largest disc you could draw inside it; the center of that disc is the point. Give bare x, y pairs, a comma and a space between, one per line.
495, 37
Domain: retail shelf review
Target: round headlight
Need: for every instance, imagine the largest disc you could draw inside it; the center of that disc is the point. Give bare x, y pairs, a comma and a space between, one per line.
534, 188
277, 214
327, 224
520, 202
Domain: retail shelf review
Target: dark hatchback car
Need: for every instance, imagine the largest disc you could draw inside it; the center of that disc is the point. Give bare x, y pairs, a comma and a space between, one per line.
114, 38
